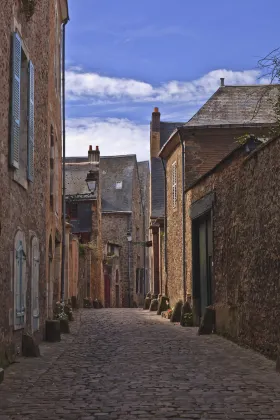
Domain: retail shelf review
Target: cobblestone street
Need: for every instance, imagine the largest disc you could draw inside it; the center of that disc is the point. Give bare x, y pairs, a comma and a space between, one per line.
130, 364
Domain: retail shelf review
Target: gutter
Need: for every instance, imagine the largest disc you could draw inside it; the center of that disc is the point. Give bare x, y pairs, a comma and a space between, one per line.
63, 164
183, 219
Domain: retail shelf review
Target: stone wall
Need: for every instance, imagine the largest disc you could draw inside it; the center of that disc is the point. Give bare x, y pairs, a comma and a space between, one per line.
246, 246
84, 276
114, 229
174, 230
23, 204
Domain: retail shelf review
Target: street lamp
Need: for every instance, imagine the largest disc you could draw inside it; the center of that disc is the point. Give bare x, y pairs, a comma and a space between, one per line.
129, 239
91, 181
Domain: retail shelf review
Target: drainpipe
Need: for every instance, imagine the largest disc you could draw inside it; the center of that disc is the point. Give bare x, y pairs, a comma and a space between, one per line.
183, 217
63, 164
165, 224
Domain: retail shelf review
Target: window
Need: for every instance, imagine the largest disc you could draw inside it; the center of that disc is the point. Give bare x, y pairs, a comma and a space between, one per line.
22, 113
72, 210
174, 184
52, 187
19, 280
137, 234
118, 185
35, 283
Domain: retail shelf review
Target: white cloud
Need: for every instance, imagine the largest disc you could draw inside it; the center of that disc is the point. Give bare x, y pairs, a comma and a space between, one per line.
113, 136
81, 86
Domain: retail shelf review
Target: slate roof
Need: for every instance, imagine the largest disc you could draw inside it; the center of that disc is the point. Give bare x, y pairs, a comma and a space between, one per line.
112, 169
238, 105
117, 169
157, 172
75, 175
166, 129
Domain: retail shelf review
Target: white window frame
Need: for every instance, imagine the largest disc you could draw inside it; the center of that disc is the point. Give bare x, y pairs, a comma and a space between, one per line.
119, 185
174, 184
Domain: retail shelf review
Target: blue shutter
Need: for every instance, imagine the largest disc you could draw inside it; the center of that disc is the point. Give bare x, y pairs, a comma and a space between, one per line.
15, 122
30, 150
20, 309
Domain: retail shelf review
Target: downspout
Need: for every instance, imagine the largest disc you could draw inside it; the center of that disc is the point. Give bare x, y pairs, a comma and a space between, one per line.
63, 164
165, 224
183, 218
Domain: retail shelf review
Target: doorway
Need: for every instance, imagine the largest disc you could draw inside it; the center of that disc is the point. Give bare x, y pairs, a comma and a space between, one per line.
202, 264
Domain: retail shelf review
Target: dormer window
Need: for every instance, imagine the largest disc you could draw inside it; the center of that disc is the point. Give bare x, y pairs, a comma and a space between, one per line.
118, 185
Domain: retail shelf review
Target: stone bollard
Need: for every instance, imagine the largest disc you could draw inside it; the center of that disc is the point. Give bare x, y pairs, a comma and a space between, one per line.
29, 347
278, 360
53, 331
1, 375
207, 325
64, 326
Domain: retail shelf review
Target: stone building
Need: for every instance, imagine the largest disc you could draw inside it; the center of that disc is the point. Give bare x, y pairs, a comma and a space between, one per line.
124, 189
159, 134
191, 151
30, 145
240, 196
121, 208
83, 208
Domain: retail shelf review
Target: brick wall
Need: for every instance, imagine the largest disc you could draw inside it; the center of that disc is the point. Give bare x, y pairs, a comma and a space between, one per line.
246, 246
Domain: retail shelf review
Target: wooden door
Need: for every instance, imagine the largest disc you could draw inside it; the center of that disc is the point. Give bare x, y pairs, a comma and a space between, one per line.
205, 262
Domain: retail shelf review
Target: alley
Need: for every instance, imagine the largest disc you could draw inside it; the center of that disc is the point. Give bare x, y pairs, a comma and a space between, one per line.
131, 364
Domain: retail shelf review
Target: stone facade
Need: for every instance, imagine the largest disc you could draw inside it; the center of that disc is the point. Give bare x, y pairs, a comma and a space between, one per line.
174, 227
84, 214
27, 252
197, 161
246, 248
84, 276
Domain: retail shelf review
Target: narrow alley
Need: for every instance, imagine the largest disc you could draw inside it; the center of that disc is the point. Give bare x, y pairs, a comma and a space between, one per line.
131, 364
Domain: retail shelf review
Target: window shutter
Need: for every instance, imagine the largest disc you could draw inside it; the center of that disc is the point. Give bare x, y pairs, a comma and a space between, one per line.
35, 283
15, 123
20, 309
30, 159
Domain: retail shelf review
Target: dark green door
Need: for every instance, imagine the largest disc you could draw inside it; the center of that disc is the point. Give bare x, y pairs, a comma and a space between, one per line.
205, 262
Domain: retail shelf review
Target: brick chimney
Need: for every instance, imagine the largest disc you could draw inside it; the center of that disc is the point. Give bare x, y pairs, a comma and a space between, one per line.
155, 133
93, 155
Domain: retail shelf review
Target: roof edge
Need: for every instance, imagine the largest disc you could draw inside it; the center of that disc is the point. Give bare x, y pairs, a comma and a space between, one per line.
171, 144
225, 158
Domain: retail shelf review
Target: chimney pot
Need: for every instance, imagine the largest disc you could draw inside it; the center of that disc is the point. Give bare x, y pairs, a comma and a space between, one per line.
222, 81
90, 148
155, 109
97, 148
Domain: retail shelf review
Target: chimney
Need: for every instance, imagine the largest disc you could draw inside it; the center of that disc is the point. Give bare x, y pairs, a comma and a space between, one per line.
156, 120
155, 133
222, 81
93, 155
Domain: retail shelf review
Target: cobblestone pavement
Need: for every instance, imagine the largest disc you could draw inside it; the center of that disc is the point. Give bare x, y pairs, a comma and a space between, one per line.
127, 364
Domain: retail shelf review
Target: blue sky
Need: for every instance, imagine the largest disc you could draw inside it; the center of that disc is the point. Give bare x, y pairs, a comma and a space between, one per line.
125, 57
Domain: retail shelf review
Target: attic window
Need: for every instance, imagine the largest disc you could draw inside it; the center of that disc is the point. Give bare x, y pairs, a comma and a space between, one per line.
118, 185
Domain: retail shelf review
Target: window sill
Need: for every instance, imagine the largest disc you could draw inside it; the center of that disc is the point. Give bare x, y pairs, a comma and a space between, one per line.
18, 178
